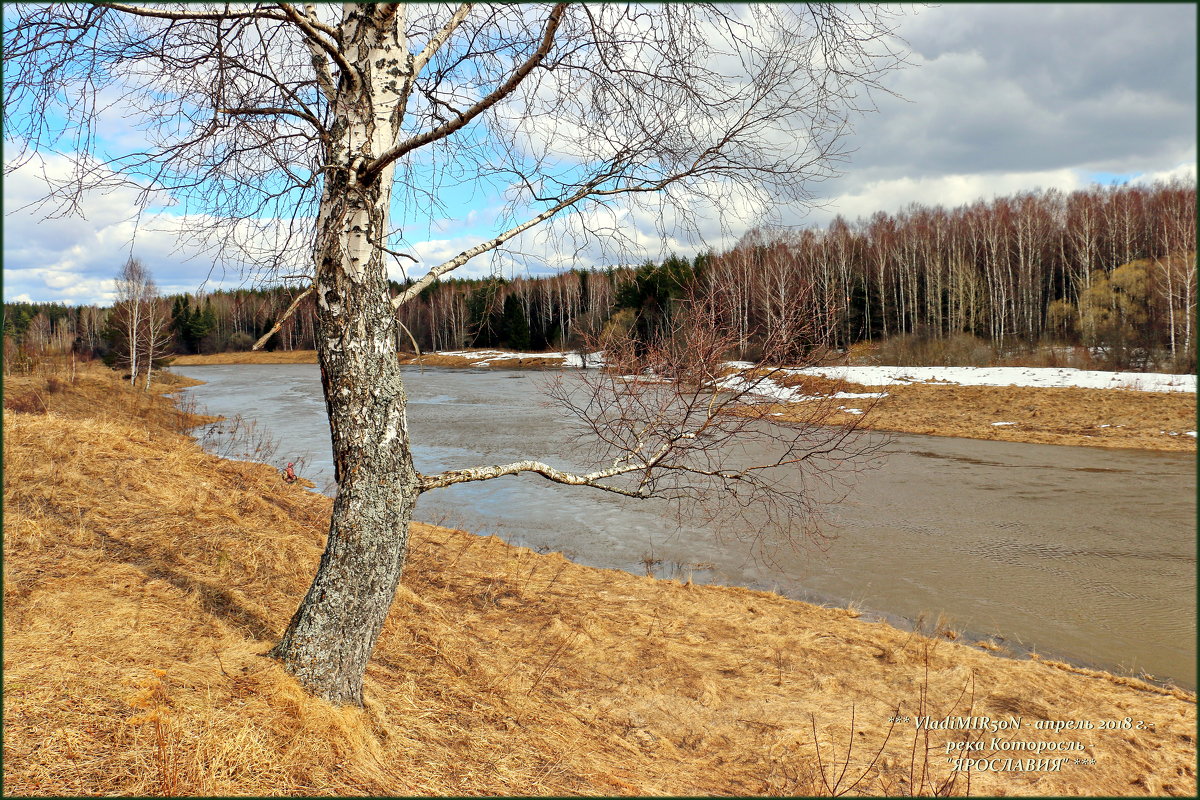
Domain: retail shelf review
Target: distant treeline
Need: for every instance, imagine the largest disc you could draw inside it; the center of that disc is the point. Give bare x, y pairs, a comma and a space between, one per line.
1113, 268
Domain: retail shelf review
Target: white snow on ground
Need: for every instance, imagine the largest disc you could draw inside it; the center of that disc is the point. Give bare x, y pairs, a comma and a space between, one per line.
469, 353
771, 390
887, 376
483, 358
765, 388
1008, 376
963, 376
592, 360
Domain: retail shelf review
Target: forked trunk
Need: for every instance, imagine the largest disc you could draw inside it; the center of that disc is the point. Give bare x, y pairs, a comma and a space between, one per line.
329, 641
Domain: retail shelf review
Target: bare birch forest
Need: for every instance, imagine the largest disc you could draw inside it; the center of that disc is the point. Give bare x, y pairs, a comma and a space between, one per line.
1113, 268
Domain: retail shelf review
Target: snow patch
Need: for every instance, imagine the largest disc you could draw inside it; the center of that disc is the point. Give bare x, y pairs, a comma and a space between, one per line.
1053, 377
765, 388
590, 360
484, 358
859, 395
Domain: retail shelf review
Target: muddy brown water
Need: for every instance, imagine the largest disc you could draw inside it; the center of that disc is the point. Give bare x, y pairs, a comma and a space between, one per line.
1084, 554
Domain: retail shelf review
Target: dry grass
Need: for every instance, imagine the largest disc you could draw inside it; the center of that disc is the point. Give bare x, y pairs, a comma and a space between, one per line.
250, 357
522, 362
1082, 417
93, 391
144, 579
427, 359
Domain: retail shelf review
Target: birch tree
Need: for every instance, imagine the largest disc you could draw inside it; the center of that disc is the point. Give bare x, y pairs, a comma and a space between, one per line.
156, 333
292, 134
134, 291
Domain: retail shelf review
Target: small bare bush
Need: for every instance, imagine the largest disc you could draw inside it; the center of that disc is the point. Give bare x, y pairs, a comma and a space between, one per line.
918, 350
240, 439
33, 402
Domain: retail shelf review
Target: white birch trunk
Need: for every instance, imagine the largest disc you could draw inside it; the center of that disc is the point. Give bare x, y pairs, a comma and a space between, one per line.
331, 637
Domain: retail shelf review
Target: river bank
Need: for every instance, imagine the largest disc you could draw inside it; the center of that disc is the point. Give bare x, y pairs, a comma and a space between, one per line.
1123, 417
144, 578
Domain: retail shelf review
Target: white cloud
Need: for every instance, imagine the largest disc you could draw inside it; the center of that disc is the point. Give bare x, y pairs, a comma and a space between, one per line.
74, 258
1005, 98
949, 191
1184, 171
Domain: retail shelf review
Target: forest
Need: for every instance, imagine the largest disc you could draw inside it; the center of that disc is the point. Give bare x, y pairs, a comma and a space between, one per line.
1108, 268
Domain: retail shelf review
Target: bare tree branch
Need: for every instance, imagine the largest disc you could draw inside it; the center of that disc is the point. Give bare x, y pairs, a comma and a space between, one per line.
291, 309
273, 112
592, 479
491, 244
670, 418
411, 338
439, 38
315, 40
320, 61
159, 13
501, 92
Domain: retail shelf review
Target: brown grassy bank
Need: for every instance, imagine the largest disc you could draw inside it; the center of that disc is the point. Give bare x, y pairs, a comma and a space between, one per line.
516, 362
310, 357
1038, 415
144, 579
249, 357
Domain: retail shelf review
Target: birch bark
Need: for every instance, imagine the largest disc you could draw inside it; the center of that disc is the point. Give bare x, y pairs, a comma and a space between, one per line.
330, 638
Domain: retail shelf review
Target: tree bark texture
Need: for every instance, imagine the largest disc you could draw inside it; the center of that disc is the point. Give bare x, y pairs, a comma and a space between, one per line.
330, 639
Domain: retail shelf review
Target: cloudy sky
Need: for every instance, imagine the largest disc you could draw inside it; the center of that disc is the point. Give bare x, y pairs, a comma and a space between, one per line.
996, 99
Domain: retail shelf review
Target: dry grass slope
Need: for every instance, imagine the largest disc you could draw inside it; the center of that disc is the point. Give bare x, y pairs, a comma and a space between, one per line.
144, 579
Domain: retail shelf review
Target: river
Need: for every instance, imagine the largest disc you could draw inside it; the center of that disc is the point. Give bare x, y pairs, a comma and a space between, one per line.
1084, 554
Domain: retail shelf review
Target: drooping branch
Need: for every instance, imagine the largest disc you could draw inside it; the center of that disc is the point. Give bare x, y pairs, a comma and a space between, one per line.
670, 418
411, 338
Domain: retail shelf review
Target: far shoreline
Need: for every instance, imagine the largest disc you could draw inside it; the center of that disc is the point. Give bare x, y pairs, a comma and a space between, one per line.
1110, 418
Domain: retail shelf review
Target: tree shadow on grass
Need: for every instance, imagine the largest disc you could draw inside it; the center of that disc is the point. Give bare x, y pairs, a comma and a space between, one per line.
214, 600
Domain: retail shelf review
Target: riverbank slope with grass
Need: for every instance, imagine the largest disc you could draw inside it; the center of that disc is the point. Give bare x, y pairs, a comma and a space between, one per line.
144, 579
1037, 405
